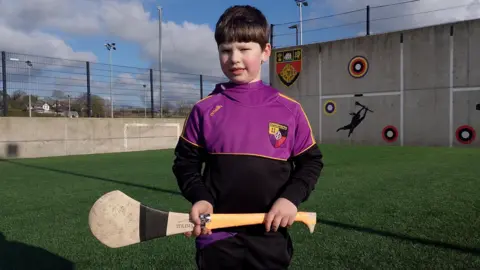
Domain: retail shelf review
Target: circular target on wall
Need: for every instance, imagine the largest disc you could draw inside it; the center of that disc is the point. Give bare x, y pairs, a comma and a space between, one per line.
389, 134
330, 107
358, 66
465, 134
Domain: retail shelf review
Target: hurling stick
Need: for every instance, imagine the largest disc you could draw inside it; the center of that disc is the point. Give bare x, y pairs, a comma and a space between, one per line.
117, 220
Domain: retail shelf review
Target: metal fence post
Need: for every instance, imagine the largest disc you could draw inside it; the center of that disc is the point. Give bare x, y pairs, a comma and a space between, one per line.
368, 20
271, 35
4, 80
151, 94
201, 86
89, 93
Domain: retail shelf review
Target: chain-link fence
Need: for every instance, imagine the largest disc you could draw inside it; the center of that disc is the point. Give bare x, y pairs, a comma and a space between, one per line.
50, 87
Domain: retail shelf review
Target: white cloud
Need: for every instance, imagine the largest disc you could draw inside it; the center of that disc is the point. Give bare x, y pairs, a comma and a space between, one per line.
78, 17
39, 43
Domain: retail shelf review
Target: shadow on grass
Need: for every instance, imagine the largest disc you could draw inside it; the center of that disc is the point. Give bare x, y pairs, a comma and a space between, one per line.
403, 237
16, 255
91, 177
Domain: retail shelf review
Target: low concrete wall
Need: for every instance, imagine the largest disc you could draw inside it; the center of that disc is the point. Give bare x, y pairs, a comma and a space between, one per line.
43, 137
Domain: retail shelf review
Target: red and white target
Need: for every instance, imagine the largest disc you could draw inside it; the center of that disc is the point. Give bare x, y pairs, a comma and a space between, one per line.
390, 134
465, 134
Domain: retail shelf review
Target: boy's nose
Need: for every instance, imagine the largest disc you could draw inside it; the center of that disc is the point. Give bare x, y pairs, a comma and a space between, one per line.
235, 57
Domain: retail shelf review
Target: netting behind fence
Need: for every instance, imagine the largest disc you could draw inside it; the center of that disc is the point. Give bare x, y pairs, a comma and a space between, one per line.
45, 86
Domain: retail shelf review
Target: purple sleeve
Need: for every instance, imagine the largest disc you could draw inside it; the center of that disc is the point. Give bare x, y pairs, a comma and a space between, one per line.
192, 132
303, 133
189, 157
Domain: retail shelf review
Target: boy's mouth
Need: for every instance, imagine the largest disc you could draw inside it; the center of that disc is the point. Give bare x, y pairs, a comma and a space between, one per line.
237, 70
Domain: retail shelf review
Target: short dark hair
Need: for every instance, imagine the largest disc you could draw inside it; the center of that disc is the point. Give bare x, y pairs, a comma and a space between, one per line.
242, 24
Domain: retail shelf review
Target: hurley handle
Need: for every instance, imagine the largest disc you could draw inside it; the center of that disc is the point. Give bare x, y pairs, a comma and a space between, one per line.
218, 221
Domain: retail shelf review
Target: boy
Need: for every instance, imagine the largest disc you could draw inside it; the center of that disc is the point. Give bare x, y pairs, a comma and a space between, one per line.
259, 153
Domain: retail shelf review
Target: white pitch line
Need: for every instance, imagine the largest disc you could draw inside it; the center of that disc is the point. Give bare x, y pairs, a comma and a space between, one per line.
465, 89
320, 112
402, 94
362, 95
450, 92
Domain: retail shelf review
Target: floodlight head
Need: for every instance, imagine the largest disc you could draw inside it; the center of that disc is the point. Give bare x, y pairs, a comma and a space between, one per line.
293, 26
301, 2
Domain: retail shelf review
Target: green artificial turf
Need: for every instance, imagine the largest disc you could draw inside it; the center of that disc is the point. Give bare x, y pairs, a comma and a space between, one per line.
378, 207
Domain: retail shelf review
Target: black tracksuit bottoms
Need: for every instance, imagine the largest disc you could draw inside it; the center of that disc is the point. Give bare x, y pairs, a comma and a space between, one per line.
252, 249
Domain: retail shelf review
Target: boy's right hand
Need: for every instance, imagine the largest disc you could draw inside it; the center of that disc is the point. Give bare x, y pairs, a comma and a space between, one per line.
199, 208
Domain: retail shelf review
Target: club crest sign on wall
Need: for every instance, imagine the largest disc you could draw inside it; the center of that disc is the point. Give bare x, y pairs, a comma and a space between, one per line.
288, 65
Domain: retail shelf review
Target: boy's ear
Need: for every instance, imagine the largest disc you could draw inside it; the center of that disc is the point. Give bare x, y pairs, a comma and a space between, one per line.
266, 52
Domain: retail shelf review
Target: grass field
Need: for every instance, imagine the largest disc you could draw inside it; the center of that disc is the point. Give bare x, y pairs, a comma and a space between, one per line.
378, 207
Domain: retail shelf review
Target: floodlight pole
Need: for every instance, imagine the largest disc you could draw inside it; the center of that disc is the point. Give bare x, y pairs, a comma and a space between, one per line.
29, 64
111, 94
145, 99
160, 10
110, 47
301, 3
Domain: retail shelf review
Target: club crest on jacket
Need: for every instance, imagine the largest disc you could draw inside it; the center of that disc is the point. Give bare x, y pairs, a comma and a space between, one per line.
278, 134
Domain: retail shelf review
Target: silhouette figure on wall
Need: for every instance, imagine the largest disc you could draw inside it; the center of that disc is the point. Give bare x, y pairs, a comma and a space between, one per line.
357, 118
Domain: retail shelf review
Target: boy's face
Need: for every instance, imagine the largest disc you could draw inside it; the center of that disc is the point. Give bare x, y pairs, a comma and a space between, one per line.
242, 62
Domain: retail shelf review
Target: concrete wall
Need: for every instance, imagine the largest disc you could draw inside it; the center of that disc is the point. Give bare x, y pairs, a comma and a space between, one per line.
408, 83
42, 137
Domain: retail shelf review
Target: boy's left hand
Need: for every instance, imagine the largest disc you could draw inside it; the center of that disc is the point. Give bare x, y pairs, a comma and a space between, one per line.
282, 213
